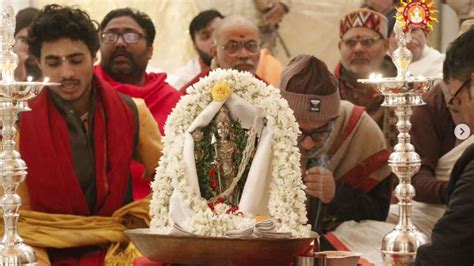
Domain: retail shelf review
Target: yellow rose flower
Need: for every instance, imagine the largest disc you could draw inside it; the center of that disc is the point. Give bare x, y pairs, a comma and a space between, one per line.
220, 92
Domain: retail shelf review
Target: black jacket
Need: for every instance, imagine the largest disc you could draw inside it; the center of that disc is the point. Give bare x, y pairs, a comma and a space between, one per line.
452, 240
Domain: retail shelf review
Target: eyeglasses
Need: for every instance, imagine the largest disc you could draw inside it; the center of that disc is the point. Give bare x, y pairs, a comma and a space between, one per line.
233, 47
464, 85
455, 102
367, 41
127, 37
317, 134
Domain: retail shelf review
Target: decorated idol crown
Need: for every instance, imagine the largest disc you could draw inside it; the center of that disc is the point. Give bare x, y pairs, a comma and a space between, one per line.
229, 159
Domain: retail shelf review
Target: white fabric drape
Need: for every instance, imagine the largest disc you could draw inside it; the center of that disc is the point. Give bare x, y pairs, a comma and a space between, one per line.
254, 199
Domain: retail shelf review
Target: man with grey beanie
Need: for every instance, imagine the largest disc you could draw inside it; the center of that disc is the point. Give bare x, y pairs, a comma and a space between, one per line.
356, 182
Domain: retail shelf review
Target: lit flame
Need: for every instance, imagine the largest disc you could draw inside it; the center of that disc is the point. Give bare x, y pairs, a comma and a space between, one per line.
29, 79
46, 80
375, 76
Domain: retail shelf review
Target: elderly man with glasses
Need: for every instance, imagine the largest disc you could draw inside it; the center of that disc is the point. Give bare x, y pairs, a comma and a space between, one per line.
126, 46
236, 46
355, 183
363, 48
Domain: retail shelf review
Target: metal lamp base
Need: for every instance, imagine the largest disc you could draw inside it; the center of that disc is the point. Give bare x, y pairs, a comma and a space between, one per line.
20, 254
399, 246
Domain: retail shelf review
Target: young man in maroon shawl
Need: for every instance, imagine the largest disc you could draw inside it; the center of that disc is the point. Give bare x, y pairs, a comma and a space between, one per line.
78, 142
356, 182
236, 46
126, 46
363, 47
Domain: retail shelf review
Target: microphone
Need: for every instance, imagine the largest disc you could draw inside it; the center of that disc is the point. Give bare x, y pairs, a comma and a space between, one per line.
315, 204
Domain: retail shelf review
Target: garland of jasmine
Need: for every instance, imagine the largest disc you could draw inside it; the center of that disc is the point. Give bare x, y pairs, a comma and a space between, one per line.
287, 198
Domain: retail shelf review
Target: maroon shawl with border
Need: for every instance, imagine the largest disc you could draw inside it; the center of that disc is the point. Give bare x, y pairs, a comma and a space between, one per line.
160, 98
46, 147
158, 95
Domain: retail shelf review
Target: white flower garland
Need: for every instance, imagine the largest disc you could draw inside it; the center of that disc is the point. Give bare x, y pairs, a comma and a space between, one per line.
287, 197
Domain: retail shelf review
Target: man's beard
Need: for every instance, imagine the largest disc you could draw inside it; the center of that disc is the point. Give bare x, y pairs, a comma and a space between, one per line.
119, 74
205, 57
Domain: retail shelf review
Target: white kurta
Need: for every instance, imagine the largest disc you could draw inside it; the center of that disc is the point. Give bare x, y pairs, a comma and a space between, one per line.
186, 73
429, 65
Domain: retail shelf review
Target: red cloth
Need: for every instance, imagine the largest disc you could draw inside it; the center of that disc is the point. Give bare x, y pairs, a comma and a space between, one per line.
45, 146
77, 257
160, 98
143, 261
158, 95
370, 164
52, 183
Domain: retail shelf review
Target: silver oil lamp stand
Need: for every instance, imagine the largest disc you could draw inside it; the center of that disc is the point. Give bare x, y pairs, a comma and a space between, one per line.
402, 92
13, 100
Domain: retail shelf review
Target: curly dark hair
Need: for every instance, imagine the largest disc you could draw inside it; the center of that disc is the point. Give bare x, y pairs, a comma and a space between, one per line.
459, 61
56, 22
141, 18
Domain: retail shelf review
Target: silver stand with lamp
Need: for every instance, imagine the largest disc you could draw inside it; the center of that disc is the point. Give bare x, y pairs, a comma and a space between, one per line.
402, 92
13, 100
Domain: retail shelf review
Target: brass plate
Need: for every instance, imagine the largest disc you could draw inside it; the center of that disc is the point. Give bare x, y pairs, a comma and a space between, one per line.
217, 250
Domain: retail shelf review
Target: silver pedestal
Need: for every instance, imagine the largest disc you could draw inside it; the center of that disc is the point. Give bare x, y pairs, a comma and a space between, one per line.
400, 245
402, 92
13, 100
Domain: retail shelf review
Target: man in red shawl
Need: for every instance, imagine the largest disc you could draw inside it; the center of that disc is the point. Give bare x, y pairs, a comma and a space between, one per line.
126, 46
78, 142
354, 184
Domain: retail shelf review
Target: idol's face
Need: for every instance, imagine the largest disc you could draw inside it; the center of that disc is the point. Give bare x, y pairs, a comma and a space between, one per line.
68, 62
362, 51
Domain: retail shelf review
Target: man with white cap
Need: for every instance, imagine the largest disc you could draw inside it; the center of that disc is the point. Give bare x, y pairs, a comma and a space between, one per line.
356, 183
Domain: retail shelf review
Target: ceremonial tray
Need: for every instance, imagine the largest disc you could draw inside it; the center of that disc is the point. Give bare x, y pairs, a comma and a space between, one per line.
217, 250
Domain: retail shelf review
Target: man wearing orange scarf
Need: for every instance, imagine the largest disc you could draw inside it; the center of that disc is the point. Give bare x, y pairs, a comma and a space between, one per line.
81, 136
126, 46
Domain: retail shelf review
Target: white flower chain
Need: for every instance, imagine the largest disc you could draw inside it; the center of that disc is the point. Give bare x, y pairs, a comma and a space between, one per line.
287, 197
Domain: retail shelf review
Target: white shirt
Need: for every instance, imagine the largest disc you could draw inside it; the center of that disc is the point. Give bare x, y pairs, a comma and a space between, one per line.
186, 73
429, 65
